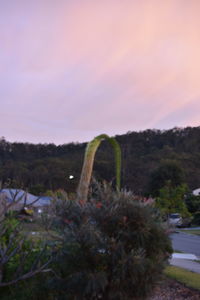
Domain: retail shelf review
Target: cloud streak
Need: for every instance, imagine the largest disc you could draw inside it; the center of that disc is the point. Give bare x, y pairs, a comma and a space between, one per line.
73, 69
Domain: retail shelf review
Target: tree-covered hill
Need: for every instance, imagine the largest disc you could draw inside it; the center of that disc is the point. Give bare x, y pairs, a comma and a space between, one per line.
144, 154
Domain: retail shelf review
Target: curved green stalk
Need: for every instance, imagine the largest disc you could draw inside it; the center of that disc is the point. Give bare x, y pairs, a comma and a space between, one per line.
82, 191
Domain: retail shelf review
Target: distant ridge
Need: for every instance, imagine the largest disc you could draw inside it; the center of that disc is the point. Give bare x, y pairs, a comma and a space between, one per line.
41, 167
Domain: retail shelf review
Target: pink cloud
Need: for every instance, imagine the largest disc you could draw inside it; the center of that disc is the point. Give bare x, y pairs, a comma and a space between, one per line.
77, 68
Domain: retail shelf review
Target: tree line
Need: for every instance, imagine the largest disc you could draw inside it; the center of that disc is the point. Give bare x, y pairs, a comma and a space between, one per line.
149, 158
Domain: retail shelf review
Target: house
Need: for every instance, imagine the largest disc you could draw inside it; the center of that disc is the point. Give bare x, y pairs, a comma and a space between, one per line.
19, 199
196, 192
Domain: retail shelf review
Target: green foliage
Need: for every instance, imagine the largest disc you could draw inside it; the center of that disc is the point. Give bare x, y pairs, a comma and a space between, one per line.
112, 247
167, 171
20, 256
171, 200
193, 203
34, 288
117, 151
10, 224
196, 218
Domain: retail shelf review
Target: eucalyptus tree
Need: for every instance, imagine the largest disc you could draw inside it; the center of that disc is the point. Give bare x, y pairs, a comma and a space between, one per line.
82, 191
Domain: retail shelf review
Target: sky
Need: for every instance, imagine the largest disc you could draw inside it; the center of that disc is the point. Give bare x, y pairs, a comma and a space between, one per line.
73, 69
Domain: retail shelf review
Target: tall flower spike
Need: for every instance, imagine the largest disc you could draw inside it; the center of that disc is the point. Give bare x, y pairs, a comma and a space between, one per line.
83, 187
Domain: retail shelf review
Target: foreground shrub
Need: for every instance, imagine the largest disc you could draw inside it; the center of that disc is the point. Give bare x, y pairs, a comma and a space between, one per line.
112, 247
21, 257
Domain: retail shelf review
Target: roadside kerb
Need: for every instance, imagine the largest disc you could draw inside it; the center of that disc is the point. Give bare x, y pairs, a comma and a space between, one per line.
185, 261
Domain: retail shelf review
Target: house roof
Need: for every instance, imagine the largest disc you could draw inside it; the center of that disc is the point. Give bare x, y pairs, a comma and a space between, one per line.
22, 197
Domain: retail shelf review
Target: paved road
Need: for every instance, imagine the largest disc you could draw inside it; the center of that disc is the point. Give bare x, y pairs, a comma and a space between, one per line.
186, 242
191, 228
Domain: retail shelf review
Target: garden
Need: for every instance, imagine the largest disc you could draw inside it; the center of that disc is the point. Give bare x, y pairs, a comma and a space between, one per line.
99, 243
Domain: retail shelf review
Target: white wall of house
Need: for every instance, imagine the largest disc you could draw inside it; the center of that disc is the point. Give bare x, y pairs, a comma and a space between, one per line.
196, 192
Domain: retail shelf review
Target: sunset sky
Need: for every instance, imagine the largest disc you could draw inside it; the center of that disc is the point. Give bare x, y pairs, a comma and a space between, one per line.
73, 69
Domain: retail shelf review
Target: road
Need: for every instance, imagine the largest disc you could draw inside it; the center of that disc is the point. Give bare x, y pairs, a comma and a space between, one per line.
186, 243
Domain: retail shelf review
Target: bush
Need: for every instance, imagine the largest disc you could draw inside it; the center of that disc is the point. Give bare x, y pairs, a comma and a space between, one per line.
196, 218
193, 203
20, 256
112, 247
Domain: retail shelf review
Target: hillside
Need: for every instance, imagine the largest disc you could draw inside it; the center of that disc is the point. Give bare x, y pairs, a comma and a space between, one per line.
39, 167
